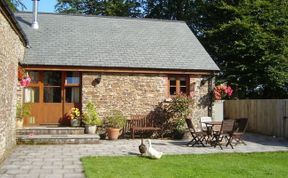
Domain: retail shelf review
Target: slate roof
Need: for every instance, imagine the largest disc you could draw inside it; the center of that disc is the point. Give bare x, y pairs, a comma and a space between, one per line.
73, 40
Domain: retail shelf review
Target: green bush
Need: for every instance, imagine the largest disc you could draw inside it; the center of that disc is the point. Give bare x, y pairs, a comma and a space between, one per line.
90, 116
180, 106
116, 119
177, 110
23, 110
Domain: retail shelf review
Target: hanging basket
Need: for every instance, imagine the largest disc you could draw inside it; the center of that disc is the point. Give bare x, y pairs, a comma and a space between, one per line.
25, 82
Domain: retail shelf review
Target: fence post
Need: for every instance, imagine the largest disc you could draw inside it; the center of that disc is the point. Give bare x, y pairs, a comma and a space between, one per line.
284, 117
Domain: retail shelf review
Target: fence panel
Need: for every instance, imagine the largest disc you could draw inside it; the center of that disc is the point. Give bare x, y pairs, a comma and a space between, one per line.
266, 116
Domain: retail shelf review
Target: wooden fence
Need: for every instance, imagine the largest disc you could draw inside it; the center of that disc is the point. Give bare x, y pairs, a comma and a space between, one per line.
265, 116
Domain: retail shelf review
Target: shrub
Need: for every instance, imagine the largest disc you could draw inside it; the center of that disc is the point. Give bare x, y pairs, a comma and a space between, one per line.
90, 116
23, 110
173, 114
116, 119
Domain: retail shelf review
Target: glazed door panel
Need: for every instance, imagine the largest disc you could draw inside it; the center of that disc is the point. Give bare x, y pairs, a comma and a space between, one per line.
52, 96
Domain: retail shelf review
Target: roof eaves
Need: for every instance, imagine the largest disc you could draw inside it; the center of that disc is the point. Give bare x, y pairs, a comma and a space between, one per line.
128, 68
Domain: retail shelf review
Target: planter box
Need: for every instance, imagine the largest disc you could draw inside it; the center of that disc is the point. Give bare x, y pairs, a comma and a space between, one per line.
218, 110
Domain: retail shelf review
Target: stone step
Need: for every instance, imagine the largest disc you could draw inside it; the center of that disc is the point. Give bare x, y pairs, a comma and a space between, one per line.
50, 125
50, 131
58, 139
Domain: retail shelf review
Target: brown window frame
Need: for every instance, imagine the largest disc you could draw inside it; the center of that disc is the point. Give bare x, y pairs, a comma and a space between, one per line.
178, 86
66, 85
72, 85
40, 84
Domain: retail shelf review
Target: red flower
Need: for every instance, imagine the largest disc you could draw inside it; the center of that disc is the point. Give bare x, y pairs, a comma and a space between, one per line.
222, 91
25, 81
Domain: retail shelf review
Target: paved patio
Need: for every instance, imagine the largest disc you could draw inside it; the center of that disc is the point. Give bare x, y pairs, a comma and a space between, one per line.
61, 161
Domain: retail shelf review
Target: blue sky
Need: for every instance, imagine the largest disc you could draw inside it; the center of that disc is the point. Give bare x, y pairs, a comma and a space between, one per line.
44, 5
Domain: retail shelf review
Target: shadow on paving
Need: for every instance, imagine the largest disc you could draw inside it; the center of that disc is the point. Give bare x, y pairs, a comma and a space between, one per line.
265, 140
249, 138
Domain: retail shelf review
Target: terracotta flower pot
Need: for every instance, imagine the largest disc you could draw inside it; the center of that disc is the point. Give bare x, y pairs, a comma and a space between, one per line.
113, 133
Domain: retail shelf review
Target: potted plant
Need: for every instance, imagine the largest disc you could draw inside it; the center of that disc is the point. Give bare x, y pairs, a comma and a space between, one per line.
75, 117
220, 93
116, 121
22, 111
91, 119
23, 77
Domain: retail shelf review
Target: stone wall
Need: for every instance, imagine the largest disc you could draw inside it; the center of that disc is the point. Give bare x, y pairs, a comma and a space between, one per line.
129, 93
11, 52
201, 98
137, 94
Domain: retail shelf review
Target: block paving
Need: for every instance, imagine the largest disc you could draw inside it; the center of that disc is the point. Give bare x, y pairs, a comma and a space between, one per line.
53, 161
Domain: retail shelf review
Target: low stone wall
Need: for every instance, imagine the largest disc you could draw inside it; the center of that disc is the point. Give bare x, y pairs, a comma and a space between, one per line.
137, 93
11, 52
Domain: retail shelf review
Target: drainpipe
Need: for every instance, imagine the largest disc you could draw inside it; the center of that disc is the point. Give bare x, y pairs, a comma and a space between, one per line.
35, 24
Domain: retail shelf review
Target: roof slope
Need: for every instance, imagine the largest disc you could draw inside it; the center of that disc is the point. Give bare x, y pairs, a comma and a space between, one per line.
70, 40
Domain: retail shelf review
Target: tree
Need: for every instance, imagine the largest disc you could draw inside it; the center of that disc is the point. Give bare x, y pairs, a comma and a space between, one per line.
251, 47
15, 5
246, 38
129, 8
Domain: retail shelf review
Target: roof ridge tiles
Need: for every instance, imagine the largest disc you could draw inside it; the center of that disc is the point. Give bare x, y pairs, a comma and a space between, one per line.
109, 17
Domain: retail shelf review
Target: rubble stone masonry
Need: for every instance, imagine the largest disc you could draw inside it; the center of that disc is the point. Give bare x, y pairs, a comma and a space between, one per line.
129, 93
11, 52
137, 93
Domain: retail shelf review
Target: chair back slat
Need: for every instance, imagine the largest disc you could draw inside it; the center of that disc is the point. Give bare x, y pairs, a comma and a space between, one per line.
227, 126
190, 125
241, 124
217, 128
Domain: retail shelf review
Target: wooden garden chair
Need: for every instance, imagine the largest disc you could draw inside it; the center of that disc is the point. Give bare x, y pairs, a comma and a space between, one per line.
226, 132
239, 130
198, 137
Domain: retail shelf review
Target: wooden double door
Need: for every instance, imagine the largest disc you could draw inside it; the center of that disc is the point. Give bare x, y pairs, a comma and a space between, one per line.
51, 95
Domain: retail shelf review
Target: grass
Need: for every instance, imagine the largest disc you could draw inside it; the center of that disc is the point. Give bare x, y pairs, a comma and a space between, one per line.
273, 164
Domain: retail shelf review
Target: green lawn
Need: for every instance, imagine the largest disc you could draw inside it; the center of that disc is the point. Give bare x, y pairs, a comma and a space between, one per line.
209, 165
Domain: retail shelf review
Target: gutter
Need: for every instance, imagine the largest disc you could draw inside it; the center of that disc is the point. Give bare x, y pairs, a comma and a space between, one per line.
9, 15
